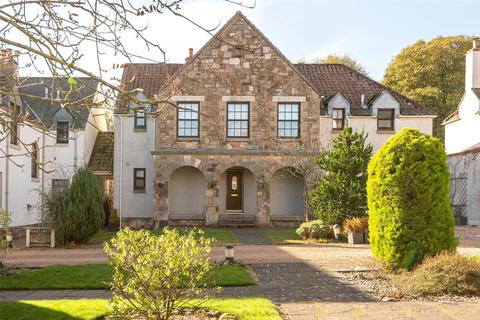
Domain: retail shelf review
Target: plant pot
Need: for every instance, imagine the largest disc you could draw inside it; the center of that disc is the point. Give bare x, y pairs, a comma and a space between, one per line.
356, 238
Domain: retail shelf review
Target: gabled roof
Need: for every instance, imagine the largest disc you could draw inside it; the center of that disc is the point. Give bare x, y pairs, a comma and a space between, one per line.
101, 159
45, 109
476, 91
325, 79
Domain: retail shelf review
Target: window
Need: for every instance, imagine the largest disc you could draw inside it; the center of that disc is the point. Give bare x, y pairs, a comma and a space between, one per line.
62, 132
238, 120
59, 186
140, 121
385, 119
34, 159
338, 118
139, 179
288, 120
14, 126
187, 119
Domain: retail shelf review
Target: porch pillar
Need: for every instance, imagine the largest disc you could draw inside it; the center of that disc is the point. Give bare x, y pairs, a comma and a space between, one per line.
212, 180
160, 186
263, 200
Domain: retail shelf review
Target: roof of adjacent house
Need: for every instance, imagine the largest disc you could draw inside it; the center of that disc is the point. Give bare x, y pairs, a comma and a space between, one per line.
45, 109
101, 159
477, 92
327, 79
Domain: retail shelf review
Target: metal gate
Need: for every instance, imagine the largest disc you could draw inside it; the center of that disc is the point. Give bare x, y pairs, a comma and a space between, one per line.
458, 198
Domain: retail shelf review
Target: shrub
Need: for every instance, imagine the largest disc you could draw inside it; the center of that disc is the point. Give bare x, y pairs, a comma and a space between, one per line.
341, 192
54, 205
84, 214
153, 275
5, 220
443, 274
315, 229
356, 224
408, 200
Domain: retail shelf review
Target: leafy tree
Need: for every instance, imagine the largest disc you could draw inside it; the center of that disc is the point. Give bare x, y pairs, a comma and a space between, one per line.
431, 73
408, 200
341, 194
345, 59
154, 275
84, 214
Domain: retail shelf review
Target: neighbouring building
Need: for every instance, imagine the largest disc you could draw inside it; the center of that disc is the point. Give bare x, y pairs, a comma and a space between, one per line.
462, 143
43, 143
218, 152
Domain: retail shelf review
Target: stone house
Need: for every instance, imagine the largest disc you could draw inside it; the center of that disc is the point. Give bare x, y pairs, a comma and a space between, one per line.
462, 144
217, 152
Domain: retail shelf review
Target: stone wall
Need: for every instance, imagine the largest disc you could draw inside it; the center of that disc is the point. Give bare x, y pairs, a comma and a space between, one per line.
263, 165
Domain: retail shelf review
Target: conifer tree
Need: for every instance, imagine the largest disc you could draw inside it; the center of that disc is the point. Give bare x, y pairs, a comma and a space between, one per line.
84, 215
341, 192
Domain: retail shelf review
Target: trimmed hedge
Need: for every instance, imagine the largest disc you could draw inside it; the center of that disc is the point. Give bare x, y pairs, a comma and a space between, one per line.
408, 200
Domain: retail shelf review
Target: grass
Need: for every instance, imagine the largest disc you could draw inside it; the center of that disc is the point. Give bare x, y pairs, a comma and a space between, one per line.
96, 276
221, 236
282, 235
89, 309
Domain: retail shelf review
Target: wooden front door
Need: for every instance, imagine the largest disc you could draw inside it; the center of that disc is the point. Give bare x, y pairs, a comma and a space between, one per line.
234, 191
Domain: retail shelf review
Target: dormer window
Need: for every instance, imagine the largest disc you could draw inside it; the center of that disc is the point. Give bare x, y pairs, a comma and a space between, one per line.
385, 119
140, 122
338, 118
62, 132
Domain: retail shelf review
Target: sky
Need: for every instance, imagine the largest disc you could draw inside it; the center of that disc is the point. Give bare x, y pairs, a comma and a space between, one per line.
371, 31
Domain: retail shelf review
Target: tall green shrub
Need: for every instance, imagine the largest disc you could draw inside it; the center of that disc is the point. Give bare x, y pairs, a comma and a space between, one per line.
341, 194
408, 200
84, 214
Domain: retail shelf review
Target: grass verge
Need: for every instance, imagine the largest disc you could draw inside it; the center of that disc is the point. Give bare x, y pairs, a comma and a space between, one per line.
96, 276
282, 235
220, 235
89, 309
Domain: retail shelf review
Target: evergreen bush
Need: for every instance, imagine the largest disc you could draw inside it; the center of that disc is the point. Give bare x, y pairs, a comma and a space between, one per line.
408, 200
84, 214
315, 230
341, 194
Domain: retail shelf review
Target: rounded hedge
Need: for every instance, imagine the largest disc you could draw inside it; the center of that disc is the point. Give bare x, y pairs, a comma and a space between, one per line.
408, 200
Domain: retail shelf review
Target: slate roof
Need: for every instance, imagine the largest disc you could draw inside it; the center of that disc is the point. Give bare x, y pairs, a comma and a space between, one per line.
45, 110
477, 92
101, 159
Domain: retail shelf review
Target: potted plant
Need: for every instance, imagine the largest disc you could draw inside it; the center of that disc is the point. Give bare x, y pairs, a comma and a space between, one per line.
355, 229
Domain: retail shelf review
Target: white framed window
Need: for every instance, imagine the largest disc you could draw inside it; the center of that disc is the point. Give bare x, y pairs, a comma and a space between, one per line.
338, 118
188, 120
288, 120
62, 132
238, 120
386, 119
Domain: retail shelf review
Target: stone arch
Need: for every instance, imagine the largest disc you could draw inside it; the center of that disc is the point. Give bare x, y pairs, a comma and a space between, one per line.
287, 194
187, 193
249, 191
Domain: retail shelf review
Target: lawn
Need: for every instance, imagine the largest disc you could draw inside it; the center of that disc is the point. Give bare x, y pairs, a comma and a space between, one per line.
220, 235
282, 235
244, 308
96, 276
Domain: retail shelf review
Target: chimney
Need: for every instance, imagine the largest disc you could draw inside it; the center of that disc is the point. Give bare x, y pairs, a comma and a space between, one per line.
190, 55
472, 66
9, 64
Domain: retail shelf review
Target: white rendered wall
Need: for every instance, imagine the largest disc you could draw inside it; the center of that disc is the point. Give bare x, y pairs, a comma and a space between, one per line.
132, 150
187, 192
369, 124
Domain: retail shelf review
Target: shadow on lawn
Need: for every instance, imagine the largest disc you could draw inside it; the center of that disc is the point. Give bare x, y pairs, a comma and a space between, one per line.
20, 311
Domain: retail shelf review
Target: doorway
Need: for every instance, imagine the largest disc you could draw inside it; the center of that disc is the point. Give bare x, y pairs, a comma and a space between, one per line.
234, 191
